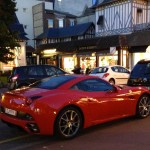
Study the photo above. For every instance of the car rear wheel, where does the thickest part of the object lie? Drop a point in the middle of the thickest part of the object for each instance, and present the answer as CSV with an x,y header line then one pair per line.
x,y
143,106
68,123
112,81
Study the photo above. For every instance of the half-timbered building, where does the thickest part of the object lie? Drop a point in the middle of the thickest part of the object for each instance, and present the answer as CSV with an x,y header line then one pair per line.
x,y
130,20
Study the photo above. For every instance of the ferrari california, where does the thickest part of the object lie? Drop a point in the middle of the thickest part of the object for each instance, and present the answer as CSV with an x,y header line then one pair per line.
x,y
63,105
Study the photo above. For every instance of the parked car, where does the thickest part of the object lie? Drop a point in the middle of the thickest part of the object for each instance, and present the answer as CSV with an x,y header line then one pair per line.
x,y
140,74
113,74
65,104
25,75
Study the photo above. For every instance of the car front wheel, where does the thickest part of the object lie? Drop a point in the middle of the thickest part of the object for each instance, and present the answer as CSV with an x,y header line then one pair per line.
x,y
143,106
68,123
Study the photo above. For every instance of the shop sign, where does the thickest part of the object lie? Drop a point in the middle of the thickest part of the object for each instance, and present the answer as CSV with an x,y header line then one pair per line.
x,y
88,48
112,50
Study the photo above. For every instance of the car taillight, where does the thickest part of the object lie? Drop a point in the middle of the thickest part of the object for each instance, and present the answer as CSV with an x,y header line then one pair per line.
x,y
105,75
15,77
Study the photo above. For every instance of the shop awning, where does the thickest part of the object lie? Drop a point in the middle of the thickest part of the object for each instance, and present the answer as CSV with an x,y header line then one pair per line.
x,y
140,38
138,41
137,49
108,41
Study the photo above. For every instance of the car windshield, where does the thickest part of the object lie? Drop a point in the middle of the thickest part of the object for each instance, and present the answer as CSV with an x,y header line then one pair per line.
x,y
141,69
100,70
52,82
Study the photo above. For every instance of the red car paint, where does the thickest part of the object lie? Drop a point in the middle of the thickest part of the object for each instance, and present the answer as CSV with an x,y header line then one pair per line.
x,y
97,107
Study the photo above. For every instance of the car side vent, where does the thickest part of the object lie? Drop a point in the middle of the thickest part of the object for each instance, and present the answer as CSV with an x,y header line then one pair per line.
x,y
35,97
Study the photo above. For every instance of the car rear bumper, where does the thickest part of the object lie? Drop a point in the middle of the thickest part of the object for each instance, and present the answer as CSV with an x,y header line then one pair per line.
x,y
32,127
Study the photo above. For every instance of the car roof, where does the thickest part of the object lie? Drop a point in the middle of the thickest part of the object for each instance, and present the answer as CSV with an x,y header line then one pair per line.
x,y
144,61
110,66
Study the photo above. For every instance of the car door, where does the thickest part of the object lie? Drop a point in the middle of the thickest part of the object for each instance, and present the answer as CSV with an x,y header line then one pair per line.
x,y
124,74
104,100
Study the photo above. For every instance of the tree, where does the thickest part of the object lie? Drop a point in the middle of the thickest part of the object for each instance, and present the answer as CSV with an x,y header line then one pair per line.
x,y
8,38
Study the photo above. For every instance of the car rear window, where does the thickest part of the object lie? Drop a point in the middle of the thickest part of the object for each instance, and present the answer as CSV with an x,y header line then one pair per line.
x,y
100,70
141,69
19,70
52,82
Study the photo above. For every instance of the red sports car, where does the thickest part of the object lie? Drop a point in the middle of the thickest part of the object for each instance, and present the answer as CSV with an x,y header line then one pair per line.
x,y
65,104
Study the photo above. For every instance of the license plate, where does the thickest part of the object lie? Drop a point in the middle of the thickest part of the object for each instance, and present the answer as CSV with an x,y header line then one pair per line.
x,y
10,112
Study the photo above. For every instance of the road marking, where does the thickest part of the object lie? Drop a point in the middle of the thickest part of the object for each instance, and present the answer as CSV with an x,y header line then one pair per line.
x,y
13,139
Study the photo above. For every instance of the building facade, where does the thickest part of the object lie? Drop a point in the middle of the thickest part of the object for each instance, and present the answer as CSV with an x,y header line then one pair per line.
x,y
121,32
130,20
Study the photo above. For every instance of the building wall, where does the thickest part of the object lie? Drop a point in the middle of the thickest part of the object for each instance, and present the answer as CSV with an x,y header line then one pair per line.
x,y
85,19
123,17
38,19
142,16
24,14
115,16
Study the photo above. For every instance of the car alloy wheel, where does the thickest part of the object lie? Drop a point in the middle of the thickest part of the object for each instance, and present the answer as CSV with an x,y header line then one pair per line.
x,y
68,123
143,106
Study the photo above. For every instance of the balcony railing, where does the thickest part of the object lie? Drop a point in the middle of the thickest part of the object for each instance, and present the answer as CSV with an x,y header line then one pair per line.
x,y
134,28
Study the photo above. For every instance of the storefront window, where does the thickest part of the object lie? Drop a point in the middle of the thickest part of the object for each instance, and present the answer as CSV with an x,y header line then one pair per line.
x,y
107,60
69,63
87,62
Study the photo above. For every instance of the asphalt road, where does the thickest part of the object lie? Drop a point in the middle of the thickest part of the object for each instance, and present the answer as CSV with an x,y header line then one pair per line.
x,y
125,134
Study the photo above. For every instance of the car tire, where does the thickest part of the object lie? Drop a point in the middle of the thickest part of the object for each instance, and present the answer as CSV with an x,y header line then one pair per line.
x,y
68,123
143,106
112,81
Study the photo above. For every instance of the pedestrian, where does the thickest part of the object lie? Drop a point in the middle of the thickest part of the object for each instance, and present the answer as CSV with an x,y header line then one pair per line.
x,y
77,70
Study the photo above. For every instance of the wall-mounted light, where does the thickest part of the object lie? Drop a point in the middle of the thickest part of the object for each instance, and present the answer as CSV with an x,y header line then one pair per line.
x,y
49,51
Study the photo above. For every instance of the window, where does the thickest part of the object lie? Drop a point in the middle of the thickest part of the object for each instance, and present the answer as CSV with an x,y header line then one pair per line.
x,y
100,22
25,26
50,23
24,10
60,23
147,70
123,70
32,71
72,22
115,69
139,15
92,85
53,82
50,71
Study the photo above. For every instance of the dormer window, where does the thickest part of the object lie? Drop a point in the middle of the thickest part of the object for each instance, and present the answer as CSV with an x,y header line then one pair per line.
x,y
100,22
